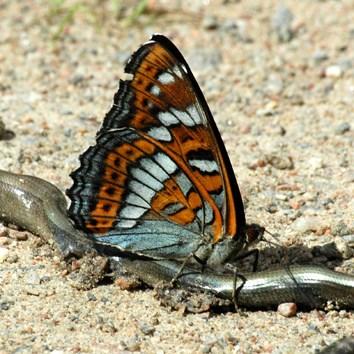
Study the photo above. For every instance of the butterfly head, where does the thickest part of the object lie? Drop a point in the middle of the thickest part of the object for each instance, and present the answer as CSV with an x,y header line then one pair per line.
x,y
253,233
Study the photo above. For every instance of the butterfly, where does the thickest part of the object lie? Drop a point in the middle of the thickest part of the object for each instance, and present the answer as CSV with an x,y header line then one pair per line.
x,y
158,182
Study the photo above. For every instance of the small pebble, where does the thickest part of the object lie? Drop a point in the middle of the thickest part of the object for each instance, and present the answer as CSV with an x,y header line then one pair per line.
x,y
315,163
280,162
348,176
242,32
282,23
238,28
5,305
307,223
147,329
45,279
279,130
287,309
77,79
326,252
19,236
230,25
320,56
346,64
275,85
12,258
210,22
3,254
127,282
344,345
333,71
4,231
4,241
267,110
209,341
271,208
133,344
33,278
349,239
296,99
341,229
342,128
312,327
281,197
91,297
343,248
344,314
108,327
327,202
205,349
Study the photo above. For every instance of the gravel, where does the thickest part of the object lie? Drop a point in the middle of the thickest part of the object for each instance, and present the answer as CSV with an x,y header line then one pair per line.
x,y
286,117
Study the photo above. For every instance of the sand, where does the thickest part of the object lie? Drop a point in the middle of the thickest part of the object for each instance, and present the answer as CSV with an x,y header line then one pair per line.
x,y
281,89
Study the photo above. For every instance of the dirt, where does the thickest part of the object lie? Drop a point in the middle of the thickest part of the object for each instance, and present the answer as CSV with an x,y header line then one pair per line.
x,y
279,81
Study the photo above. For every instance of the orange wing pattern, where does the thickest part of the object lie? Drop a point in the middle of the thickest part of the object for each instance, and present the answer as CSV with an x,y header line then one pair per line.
x,y
159,166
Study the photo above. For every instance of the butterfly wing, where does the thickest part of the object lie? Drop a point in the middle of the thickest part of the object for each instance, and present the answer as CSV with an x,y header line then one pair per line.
x,y
159,178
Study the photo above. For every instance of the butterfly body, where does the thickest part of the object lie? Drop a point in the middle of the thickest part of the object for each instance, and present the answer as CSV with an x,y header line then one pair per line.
x,y
159,182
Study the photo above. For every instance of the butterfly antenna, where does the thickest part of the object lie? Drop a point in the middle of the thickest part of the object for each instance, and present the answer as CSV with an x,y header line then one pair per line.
x,y
275,238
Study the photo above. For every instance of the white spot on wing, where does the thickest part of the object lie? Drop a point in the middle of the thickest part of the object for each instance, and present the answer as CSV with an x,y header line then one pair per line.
x,y
167,118
132,212
177,71
135,199
184,68
205,165
154,168
163,160
145,192
146,179
205,215
219,198
160,133
166,78
126,76
173,208
193,112
126,224
183,117
184,183
155,90
190,117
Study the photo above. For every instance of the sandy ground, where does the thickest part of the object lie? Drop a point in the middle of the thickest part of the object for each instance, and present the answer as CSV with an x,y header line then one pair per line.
x,y
282,94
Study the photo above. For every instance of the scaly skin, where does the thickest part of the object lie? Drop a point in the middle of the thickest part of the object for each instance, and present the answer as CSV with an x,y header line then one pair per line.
x,y
40,207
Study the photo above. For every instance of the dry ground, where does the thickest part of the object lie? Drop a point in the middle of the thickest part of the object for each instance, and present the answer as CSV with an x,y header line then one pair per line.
x,y
285,111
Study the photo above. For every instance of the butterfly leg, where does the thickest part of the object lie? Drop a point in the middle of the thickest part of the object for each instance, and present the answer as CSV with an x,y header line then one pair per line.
x,y
200,259
238,278
236,289
180,270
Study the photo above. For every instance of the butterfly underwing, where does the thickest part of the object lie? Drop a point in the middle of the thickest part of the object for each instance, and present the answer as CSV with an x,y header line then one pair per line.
x,y
158,182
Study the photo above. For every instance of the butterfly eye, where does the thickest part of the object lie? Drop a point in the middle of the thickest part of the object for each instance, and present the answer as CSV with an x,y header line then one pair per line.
x,y
254,233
